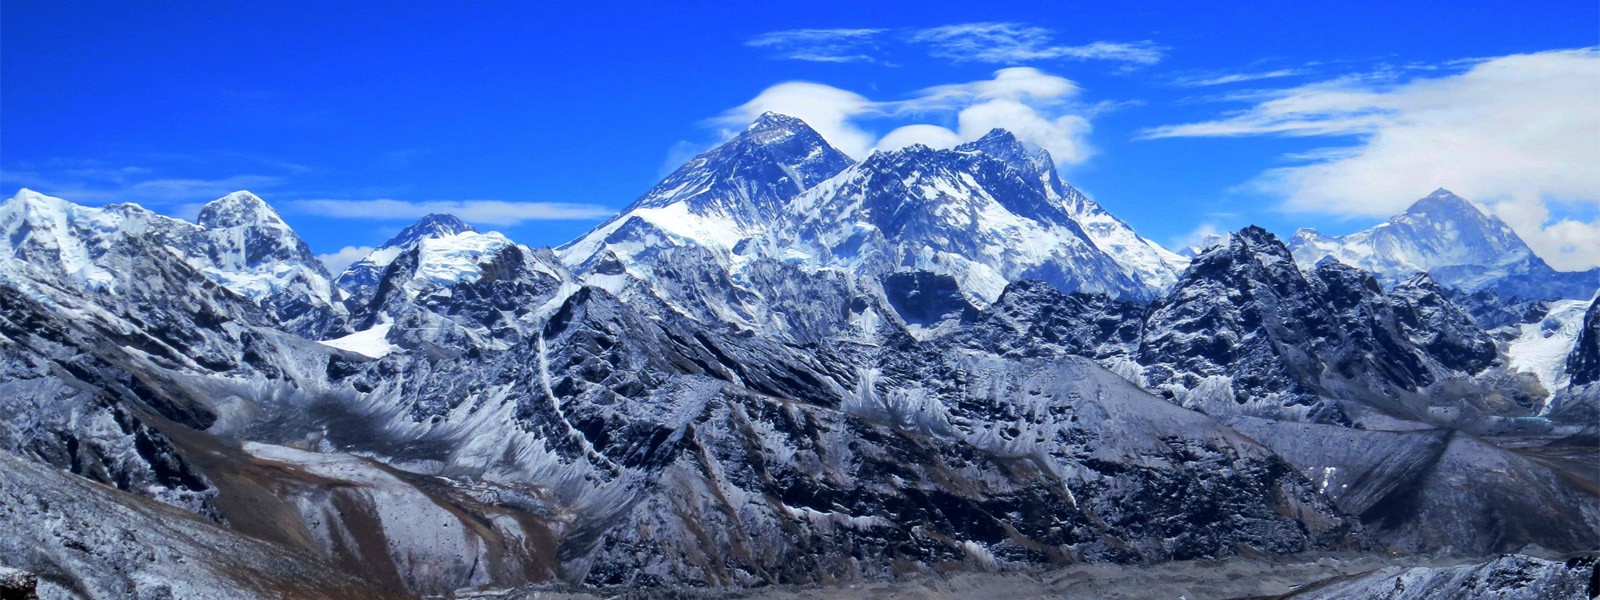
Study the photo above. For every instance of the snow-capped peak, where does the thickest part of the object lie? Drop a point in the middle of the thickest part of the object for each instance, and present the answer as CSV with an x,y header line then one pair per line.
x,y
1452,239
434,225
240,243
1004,145
43,230
1141,259
725,195
359,278
447,260
774,121
30,196
239,209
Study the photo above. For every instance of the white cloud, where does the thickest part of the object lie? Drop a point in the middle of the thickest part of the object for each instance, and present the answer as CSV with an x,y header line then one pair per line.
x,y
1038,107
338,261
1028,102
964,42
819,45
1015,42
1518,133
1227,78
493,212
131,184
827,109
932,136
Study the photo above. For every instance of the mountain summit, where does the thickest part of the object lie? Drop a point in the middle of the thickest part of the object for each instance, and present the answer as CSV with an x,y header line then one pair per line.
x,y
238,209
748,179
1457,244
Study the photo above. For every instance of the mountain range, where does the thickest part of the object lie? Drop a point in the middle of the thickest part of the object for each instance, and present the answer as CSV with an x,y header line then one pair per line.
x,y
782,366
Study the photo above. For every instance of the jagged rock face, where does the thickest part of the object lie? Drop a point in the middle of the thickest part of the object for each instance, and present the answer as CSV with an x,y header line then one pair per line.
x,y
1491,311
1376,343
240,243
480,281
1246,332
1240,333
1583,365
1035,320
1578,403
359,279
924,298
1454,242
88,540
1439,327
82,413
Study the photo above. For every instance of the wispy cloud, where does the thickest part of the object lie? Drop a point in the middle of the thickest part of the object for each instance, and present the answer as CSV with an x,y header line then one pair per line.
x,y
94,184
996,43
493,212
820,45
1518,134
1016,43
1038,107
1230,78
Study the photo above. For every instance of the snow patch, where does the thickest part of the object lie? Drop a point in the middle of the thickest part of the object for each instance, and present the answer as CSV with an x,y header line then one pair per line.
x,y
372,342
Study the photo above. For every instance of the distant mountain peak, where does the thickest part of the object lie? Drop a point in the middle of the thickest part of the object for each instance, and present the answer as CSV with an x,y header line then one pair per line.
x,y
433,225
25,195
238,209
998,135
1453,240
1008,148
1443,202
774,120
1443,193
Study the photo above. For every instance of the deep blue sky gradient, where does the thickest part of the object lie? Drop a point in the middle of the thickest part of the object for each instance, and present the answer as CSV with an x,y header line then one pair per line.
x,y
585,102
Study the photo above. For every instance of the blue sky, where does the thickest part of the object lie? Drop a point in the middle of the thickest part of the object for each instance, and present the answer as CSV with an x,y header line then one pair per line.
x,y
1180,118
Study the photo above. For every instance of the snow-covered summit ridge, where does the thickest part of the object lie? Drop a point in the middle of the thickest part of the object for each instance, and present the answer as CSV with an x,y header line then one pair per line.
x,y
1448,237
240,242
433,225
1140,258
986,213
749,178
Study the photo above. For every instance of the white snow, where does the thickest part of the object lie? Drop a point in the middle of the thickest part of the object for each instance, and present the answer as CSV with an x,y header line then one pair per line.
x,y
372,342
452,259
1542,347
